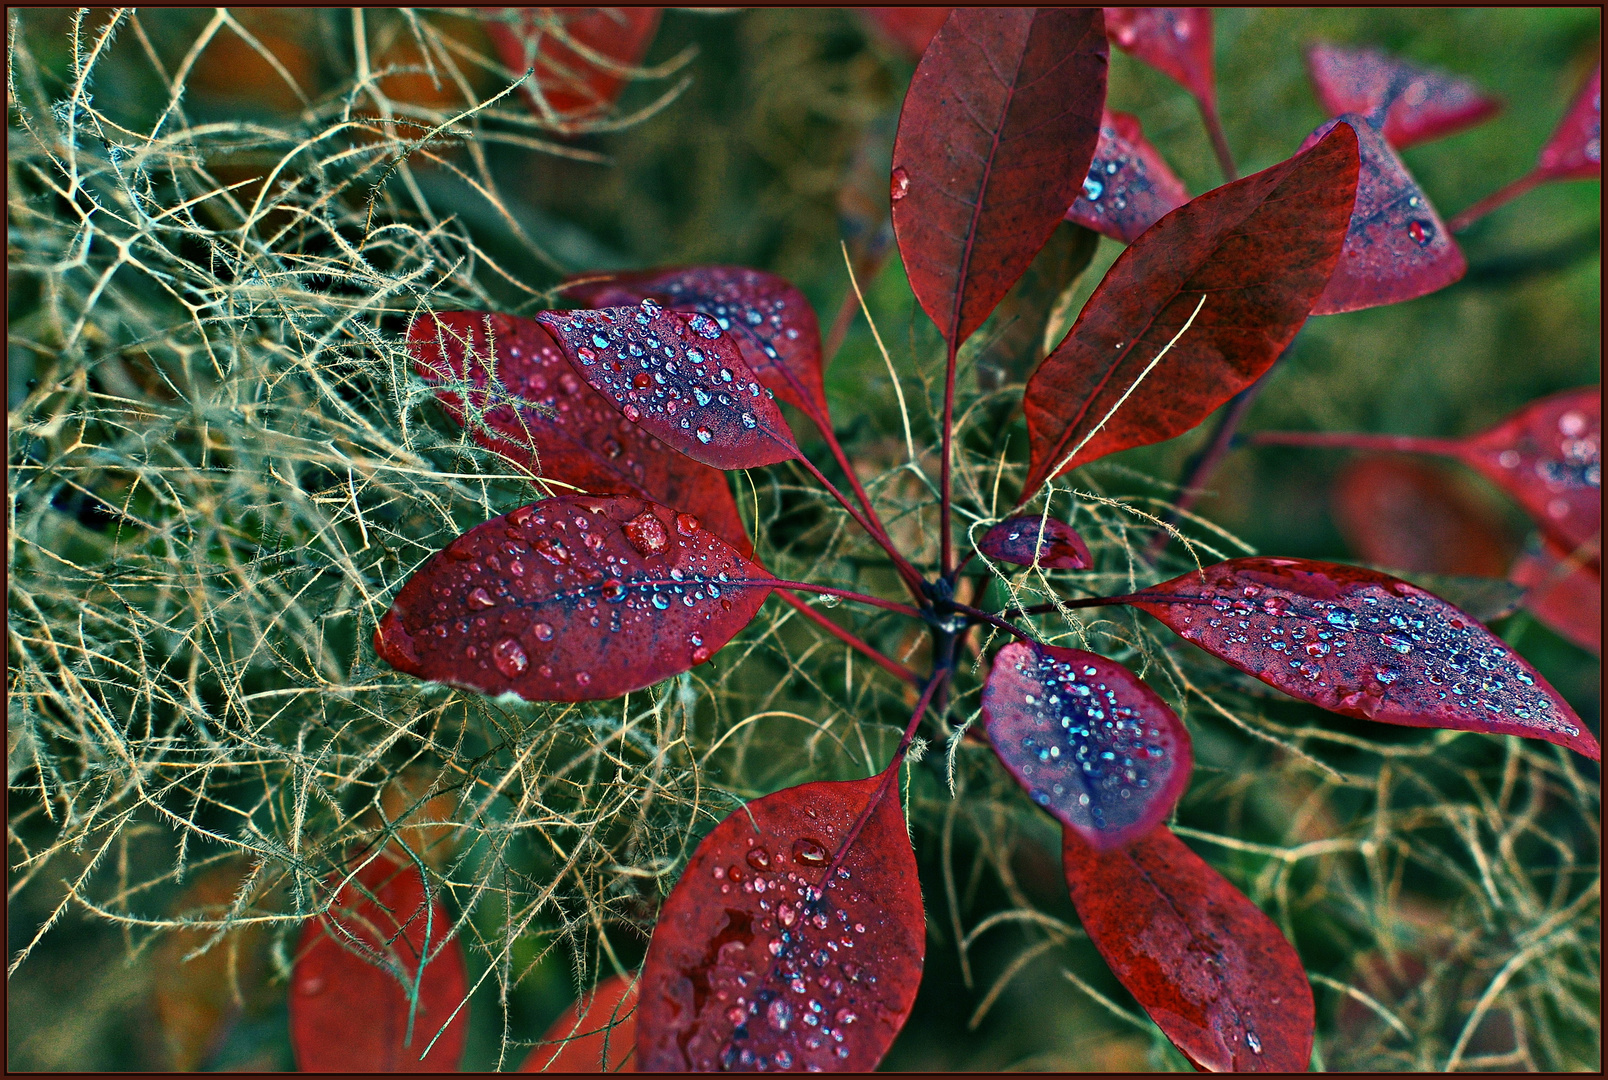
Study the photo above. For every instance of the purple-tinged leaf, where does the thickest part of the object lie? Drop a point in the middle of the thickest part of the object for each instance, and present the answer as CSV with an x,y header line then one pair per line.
x,y
1419,103
1129,187
1175,41
597,1034
504,366
681,377
760,961
1564,593
1240,265
1409,514
770,320
1575,150
1365,644
1397,247
995,138
571,599
1091,743
1057,545
1209,967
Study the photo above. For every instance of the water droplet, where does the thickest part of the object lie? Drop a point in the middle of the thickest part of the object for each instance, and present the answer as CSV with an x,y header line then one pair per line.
x,y
632,413
613,591
313,984
1421,233
900,185
811,852
703,434
510,658
700,654
646,533
552,550
1092,188
481,599
660,601
780,1014
583,678
1252,1041
759,858
543,631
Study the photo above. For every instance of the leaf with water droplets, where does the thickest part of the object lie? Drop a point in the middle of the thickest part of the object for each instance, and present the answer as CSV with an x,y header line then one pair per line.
x,y
1564,593
1129,187
1090,742
770,320
1407,514
1397,247
909,28
1419,103
596,1034
1574,152
575,84
495,370
994,141
776,950
1175,41
1257,251
577,598
1057,544
681,377
1209,967
356,967
1366,644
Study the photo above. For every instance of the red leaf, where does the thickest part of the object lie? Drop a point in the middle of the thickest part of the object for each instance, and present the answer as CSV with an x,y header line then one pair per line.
x,y
1175,41
348,1009
1209,967
995,138
1129,187
1564,594
1548,456
1397,512
1575,150
1259,250
602,1023
910,28
571,82
750,963
1362,643
1420,103
1058,545
770,320
1050,714
585,442
681,377
571,599
1397,247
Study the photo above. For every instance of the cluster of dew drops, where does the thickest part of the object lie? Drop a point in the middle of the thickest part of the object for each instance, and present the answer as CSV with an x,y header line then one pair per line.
x,y
1103,173
734,298
803,1010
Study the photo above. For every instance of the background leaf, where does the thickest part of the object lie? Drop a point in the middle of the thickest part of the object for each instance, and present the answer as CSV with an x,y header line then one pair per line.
x,y
571,81
596,1034
1419,103
1129,187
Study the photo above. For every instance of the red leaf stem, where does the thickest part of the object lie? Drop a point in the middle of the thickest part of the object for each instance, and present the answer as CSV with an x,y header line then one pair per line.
x,y
887,663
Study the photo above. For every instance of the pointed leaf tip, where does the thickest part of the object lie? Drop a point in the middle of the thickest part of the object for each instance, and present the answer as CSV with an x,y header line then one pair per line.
x,y
1175,41
1419,103
1574,152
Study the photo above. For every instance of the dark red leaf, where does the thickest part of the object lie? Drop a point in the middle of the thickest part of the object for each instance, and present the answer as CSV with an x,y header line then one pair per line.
x,y
1057,544
1129,187
760,960
1258,251
770,320
1397,247
995,138
596,1034
571,82
1564,594
1575,150
1362,643
1091,743
1021,321
1419,103
910,28
1175,41
349,1010
584,441
572,599
1548,456
679,376
1209,967
1408,515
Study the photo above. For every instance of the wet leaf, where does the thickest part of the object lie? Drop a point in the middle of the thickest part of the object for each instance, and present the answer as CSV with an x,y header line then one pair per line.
x,y
596,1034
909,28
1487,599
1258,250
758,956
1397,247
1410,515
770,320
1366,644
349,1011
995,138
1129,187
577,598
514,366
1175,41
572,82
1091,743
1574,152
1209,967
1419,103
1057,544
1023,316
681,377
1564,594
